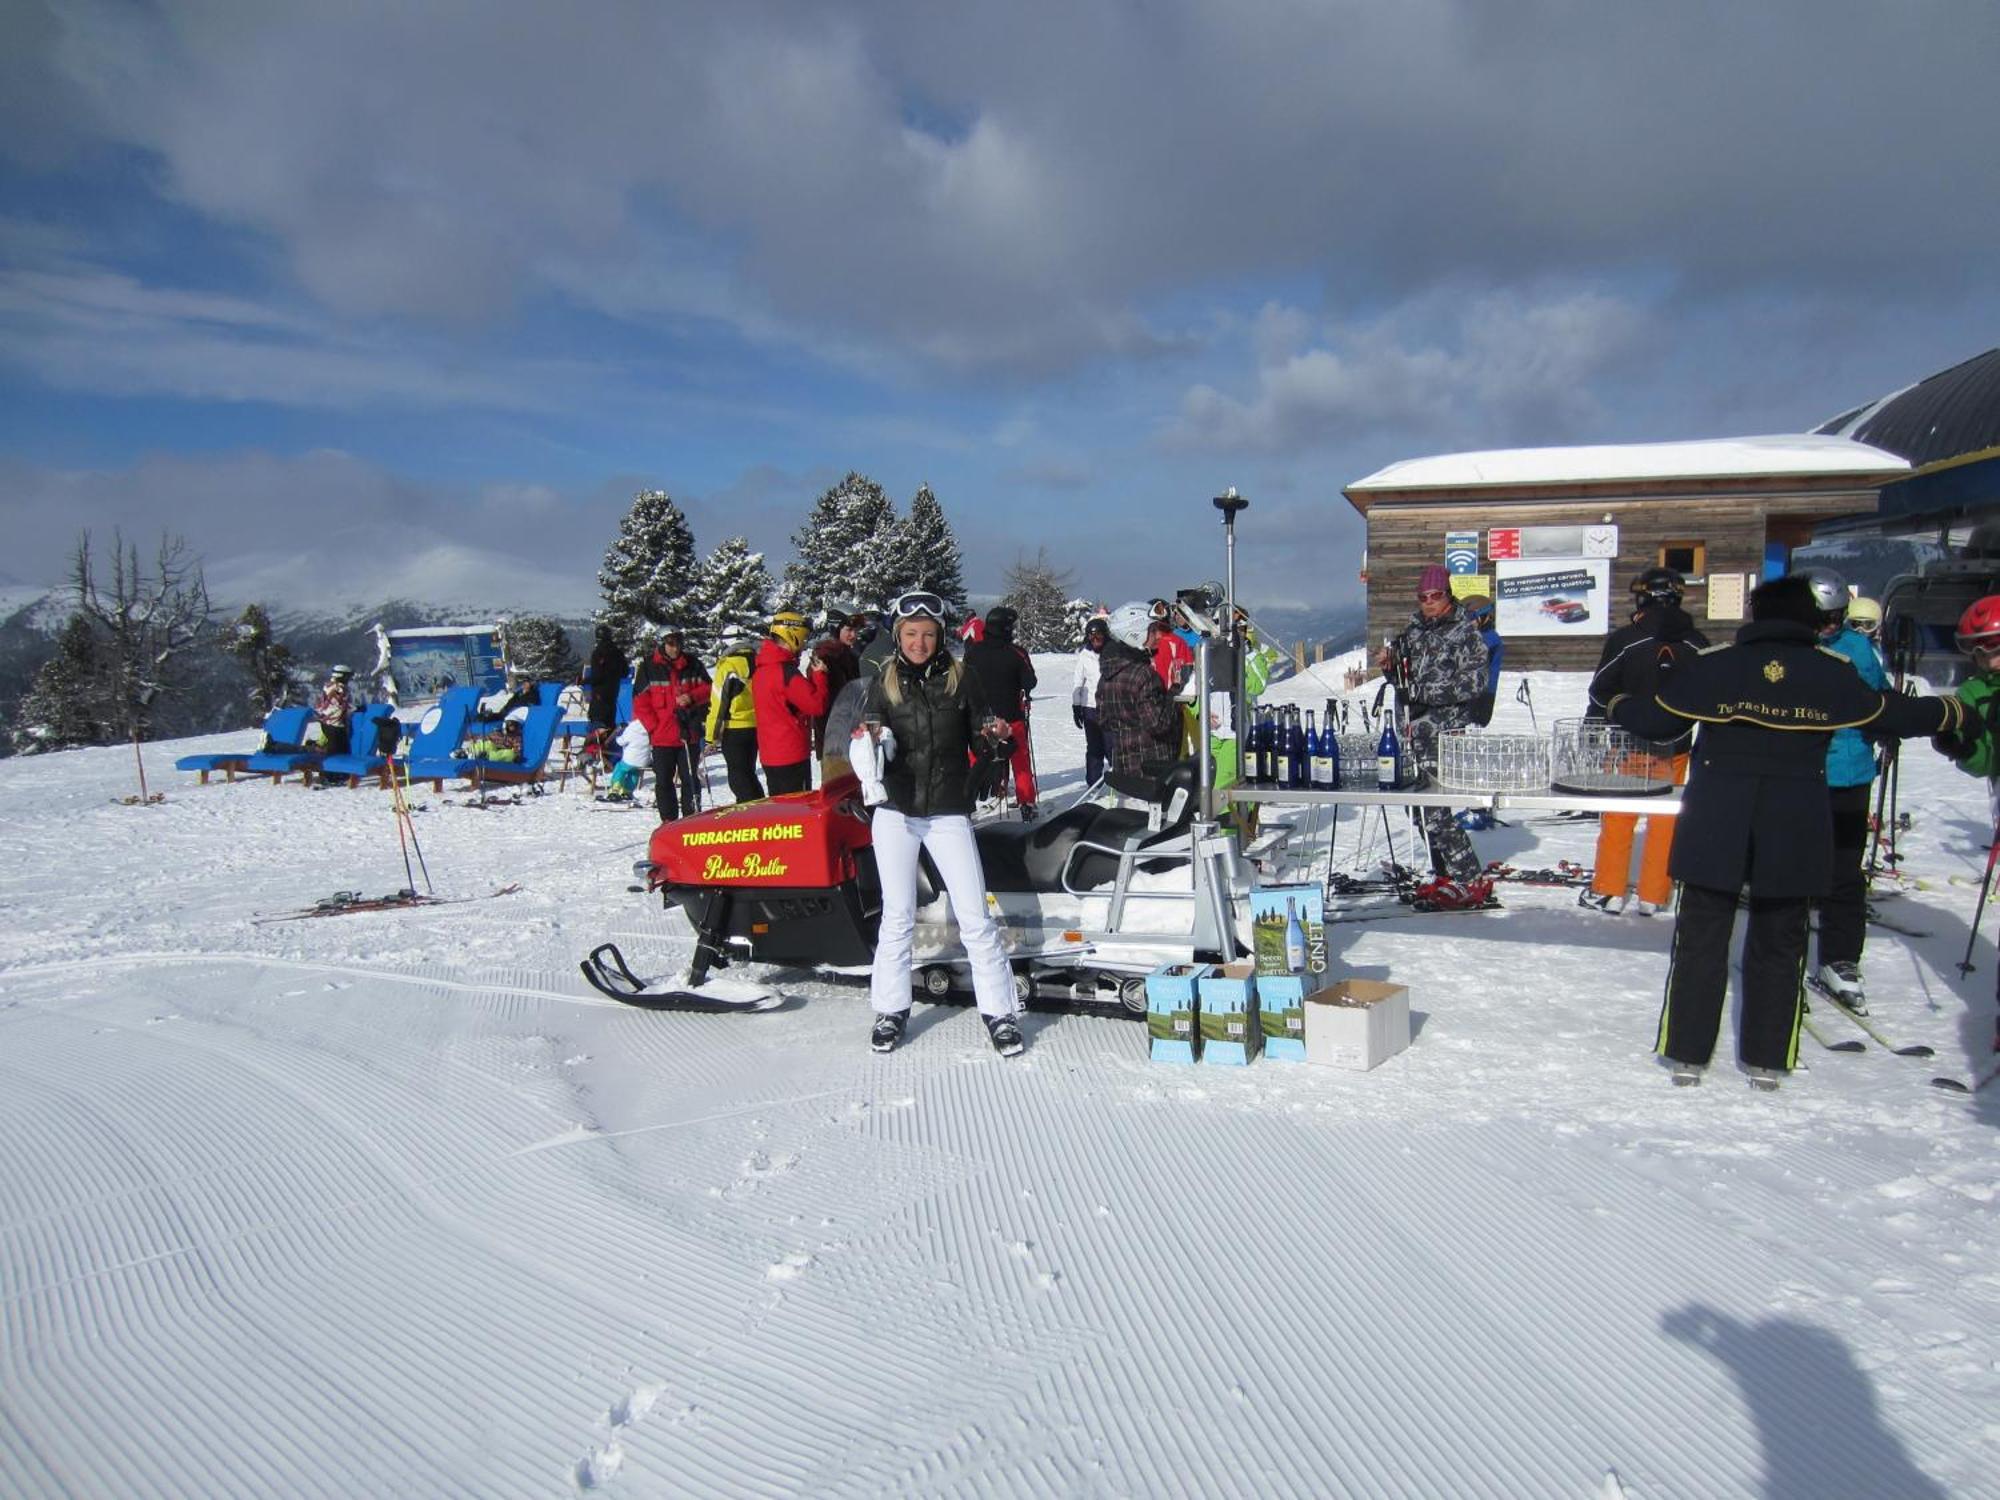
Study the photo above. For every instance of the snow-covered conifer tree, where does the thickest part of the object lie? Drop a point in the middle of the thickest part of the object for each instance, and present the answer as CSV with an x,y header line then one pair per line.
x,y
1039,593
65,706
847,549
539,649
732,596
267,659
1076,614
648,570
926,553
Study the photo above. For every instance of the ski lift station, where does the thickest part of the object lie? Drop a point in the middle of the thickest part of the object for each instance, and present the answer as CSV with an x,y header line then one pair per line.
x,y
1556,535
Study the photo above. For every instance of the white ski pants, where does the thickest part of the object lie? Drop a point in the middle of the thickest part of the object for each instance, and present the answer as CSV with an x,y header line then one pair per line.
x,y
949,840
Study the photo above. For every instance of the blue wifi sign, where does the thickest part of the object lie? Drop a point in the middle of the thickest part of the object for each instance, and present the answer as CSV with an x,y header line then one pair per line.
x,y
1461,552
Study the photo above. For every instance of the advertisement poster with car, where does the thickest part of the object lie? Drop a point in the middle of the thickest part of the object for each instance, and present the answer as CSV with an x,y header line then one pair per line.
x,y
1553,596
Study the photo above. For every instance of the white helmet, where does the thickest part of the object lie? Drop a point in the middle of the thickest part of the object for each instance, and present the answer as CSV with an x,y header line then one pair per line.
x,y
1829,591
1130,622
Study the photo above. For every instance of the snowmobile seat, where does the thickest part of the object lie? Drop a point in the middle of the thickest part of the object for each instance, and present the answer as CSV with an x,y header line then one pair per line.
x,y
1081,843
438,740
282,726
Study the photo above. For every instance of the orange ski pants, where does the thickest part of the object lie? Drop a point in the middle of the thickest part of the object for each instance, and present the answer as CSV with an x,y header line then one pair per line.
x,y
1615,834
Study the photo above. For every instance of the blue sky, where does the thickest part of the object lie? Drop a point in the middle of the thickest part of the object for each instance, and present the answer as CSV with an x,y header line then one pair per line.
x,y
378,299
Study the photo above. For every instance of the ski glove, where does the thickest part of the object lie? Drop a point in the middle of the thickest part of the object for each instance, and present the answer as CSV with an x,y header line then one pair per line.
x,y
1076,713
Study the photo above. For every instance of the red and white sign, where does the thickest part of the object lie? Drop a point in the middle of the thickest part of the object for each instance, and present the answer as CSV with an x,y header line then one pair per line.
x,y
1503,541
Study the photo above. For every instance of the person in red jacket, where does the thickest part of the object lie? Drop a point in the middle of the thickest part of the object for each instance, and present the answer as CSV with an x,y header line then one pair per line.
x,y
1171,657
840,654
669,692
787,701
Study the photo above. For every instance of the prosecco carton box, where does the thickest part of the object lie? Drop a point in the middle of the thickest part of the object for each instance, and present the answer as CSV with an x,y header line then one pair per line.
x,y
1288,931
1357,1023
1173,1010
1229,1023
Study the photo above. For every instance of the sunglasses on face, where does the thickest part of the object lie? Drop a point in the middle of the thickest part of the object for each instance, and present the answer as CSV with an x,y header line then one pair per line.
x,y
1428,595
918,602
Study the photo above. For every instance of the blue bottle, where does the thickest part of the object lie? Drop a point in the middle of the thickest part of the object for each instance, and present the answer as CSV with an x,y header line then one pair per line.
x,y
1388,759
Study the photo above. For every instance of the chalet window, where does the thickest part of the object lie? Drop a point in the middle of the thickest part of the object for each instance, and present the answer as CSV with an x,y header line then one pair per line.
x,y
1689,559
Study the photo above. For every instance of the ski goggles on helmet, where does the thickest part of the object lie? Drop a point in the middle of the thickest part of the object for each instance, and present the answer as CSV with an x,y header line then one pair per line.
x,y
918,604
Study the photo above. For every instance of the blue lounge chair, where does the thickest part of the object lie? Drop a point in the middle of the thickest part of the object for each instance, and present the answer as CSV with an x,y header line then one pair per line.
x,y
278,764
453,711
282,726
538,735
624,702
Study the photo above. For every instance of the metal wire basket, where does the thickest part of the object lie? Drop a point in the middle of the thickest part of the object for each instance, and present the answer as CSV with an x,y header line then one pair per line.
x,y
1357,763
1472,760
1599,759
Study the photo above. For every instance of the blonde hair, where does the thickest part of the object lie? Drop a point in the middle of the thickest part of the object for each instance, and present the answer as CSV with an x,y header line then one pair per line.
x,y
892,680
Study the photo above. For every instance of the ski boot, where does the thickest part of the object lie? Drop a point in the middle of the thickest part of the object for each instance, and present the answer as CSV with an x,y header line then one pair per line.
x,y
887,1034
1446,894
1766,1080
1611,906
1006,1034
1842,982
1685,1075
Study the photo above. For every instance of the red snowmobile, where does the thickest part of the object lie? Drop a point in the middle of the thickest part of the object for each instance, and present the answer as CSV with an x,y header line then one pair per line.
x,y
791,881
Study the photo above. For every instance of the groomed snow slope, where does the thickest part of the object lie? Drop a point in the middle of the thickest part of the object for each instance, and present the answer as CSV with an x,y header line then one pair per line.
x,y
392,1205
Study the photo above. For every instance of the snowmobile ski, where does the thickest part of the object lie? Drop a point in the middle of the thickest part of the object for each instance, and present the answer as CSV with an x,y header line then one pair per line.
x,y
607,972
346,903
1972,1085
1915,1049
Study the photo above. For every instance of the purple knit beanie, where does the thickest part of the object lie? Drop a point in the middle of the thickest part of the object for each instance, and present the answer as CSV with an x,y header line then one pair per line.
x,y
1433,577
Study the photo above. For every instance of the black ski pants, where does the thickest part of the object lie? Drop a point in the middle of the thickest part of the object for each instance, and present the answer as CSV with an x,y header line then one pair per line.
x,y
739,755
1774,963
1843,911
1093,747
336,739
674,764
796,777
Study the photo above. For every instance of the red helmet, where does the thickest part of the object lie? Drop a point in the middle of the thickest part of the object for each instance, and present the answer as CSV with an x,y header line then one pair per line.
x,y
1979,626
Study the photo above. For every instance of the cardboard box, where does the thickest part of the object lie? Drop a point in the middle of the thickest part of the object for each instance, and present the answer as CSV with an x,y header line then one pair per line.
x,y
1281,1013
1357,1023
1288,929
1173,1027
1229,1031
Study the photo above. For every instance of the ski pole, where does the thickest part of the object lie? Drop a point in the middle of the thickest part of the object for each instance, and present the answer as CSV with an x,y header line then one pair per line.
x,y
401,803
1881,806
1525,695
1985,886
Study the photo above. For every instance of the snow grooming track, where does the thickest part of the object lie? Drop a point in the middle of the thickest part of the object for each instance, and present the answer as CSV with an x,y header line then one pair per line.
x,y
398,1207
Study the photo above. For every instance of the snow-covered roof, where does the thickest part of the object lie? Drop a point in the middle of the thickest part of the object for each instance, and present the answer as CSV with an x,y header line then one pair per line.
x,y
1705,458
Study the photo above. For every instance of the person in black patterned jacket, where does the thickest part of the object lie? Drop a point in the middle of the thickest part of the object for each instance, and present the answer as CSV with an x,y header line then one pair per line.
x,y
1438,663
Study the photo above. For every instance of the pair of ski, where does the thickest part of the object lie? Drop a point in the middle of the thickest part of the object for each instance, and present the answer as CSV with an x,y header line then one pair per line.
x,y
1565,872
347,903
1917,1050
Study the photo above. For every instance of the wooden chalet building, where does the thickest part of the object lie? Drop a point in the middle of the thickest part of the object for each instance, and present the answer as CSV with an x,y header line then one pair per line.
x,y
1574,526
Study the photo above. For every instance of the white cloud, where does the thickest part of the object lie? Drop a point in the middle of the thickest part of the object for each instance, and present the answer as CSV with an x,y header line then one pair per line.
x,y
1506,364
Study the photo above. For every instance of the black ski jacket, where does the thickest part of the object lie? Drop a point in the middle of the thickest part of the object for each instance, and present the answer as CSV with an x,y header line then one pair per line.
x,y
1638,656
1005,676
1756,810
937,735
608,667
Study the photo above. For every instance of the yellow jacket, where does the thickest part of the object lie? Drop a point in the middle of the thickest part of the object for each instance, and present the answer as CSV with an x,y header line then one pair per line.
x,y
731,680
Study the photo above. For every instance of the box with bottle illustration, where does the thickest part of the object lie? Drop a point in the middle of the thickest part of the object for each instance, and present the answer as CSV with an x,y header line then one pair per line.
x,y
1229,1029
1173,1011
1288,931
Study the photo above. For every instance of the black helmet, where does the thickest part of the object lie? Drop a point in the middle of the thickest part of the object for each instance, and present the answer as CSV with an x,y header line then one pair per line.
x,y
1659,586
1002,618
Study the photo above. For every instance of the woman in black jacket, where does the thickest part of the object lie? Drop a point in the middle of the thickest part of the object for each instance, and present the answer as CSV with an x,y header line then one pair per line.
x,y
924,715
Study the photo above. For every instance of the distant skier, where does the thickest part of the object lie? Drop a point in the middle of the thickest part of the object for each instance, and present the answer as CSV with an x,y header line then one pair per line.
x,y
1083,696
1439,665
1634,659
1005,679
837,654
1141,723
334,709
789,686
1975,745
608,667
670,688
732,717
1850,778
